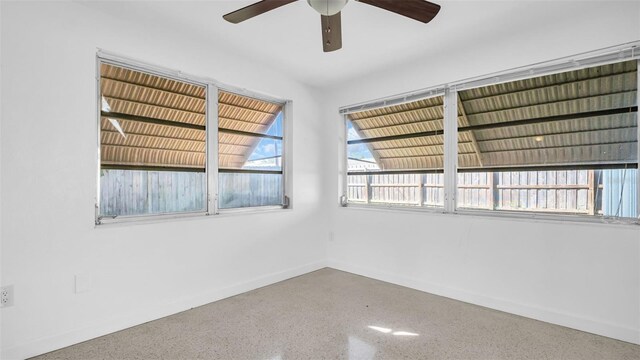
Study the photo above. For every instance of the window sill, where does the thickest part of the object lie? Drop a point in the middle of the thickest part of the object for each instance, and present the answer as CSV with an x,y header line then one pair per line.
x,y
547,217
165,218
383,207
526,216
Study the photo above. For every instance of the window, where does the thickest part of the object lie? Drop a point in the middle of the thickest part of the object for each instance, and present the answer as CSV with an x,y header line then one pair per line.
x,y
158,152
395,154
250,156
152,144
563,143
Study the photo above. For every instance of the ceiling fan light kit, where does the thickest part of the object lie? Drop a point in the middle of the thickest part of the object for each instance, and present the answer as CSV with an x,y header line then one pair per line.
x,y
329,10
327,7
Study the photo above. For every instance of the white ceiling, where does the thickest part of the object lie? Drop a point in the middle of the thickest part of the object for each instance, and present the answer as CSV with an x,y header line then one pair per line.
x,y
289,38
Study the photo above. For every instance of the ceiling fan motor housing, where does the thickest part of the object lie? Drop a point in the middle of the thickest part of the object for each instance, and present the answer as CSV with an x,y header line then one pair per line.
x,y
327,7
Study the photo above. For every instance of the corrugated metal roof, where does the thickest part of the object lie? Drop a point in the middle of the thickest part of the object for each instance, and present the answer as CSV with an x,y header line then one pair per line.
x,y
412,153
163,144
236,112
610,138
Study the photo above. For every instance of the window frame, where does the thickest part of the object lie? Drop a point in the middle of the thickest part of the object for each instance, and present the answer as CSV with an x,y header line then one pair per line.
x,y
610,55
212,88
286,134
422,95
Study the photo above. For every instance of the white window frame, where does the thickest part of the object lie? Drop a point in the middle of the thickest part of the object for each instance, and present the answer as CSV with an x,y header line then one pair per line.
x,y
344,169
610,55
211,120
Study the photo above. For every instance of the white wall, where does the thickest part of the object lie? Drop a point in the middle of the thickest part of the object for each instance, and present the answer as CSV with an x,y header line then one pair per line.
x,y
582,276
143,271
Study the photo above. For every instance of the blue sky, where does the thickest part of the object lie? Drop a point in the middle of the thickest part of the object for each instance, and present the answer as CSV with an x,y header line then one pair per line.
x,y
357,151
269,147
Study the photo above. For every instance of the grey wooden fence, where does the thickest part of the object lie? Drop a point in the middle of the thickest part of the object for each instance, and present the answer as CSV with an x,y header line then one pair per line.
x,y
568,191
132,192
244,190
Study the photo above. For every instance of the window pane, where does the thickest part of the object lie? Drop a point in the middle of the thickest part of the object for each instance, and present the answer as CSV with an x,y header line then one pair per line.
x,y
134,192
262,154
395,154
267,155
250,152
247,190
152,144
562,143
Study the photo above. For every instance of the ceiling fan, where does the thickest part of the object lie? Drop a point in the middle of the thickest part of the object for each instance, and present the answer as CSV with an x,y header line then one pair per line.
x,y
329,10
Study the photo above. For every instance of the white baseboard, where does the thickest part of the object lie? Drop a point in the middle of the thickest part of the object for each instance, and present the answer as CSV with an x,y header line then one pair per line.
x,y
531,311
140,316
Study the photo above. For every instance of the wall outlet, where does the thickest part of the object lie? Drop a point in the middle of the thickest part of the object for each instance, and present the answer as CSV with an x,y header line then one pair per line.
x,y
331,236
6,296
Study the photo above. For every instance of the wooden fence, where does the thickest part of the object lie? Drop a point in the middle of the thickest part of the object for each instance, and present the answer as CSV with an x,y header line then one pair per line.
x,y
567,191
131,192
245,190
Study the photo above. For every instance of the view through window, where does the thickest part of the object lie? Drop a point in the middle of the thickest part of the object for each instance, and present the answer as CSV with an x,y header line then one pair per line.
x,y
250,152
562,143
565,143
153,147
152,144
395,154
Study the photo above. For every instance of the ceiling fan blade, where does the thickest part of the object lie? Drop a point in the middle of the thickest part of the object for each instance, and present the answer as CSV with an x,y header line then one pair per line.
x,y
420,10
256,9
331,32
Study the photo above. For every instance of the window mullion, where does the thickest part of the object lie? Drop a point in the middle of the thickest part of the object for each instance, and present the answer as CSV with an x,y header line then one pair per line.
x,y
638,141
450,148
212,149
98,141
287,149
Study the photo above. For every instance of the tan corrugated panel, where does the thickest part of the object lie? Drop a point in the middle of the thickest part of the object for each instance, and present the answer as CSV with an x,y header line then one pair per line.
x,y
414,117
152,142
137,77
140,128
401,119
468,160
596,124
120,155
416,127
242,113
556,79
619,136
408,163
135,93
588,154
595,139
416,141
554,93
602,102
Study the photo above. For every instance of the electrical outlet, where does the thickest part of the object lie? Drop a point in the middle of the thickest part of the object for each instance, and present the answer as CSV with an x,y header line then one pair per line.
x,y
6,296
331,236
